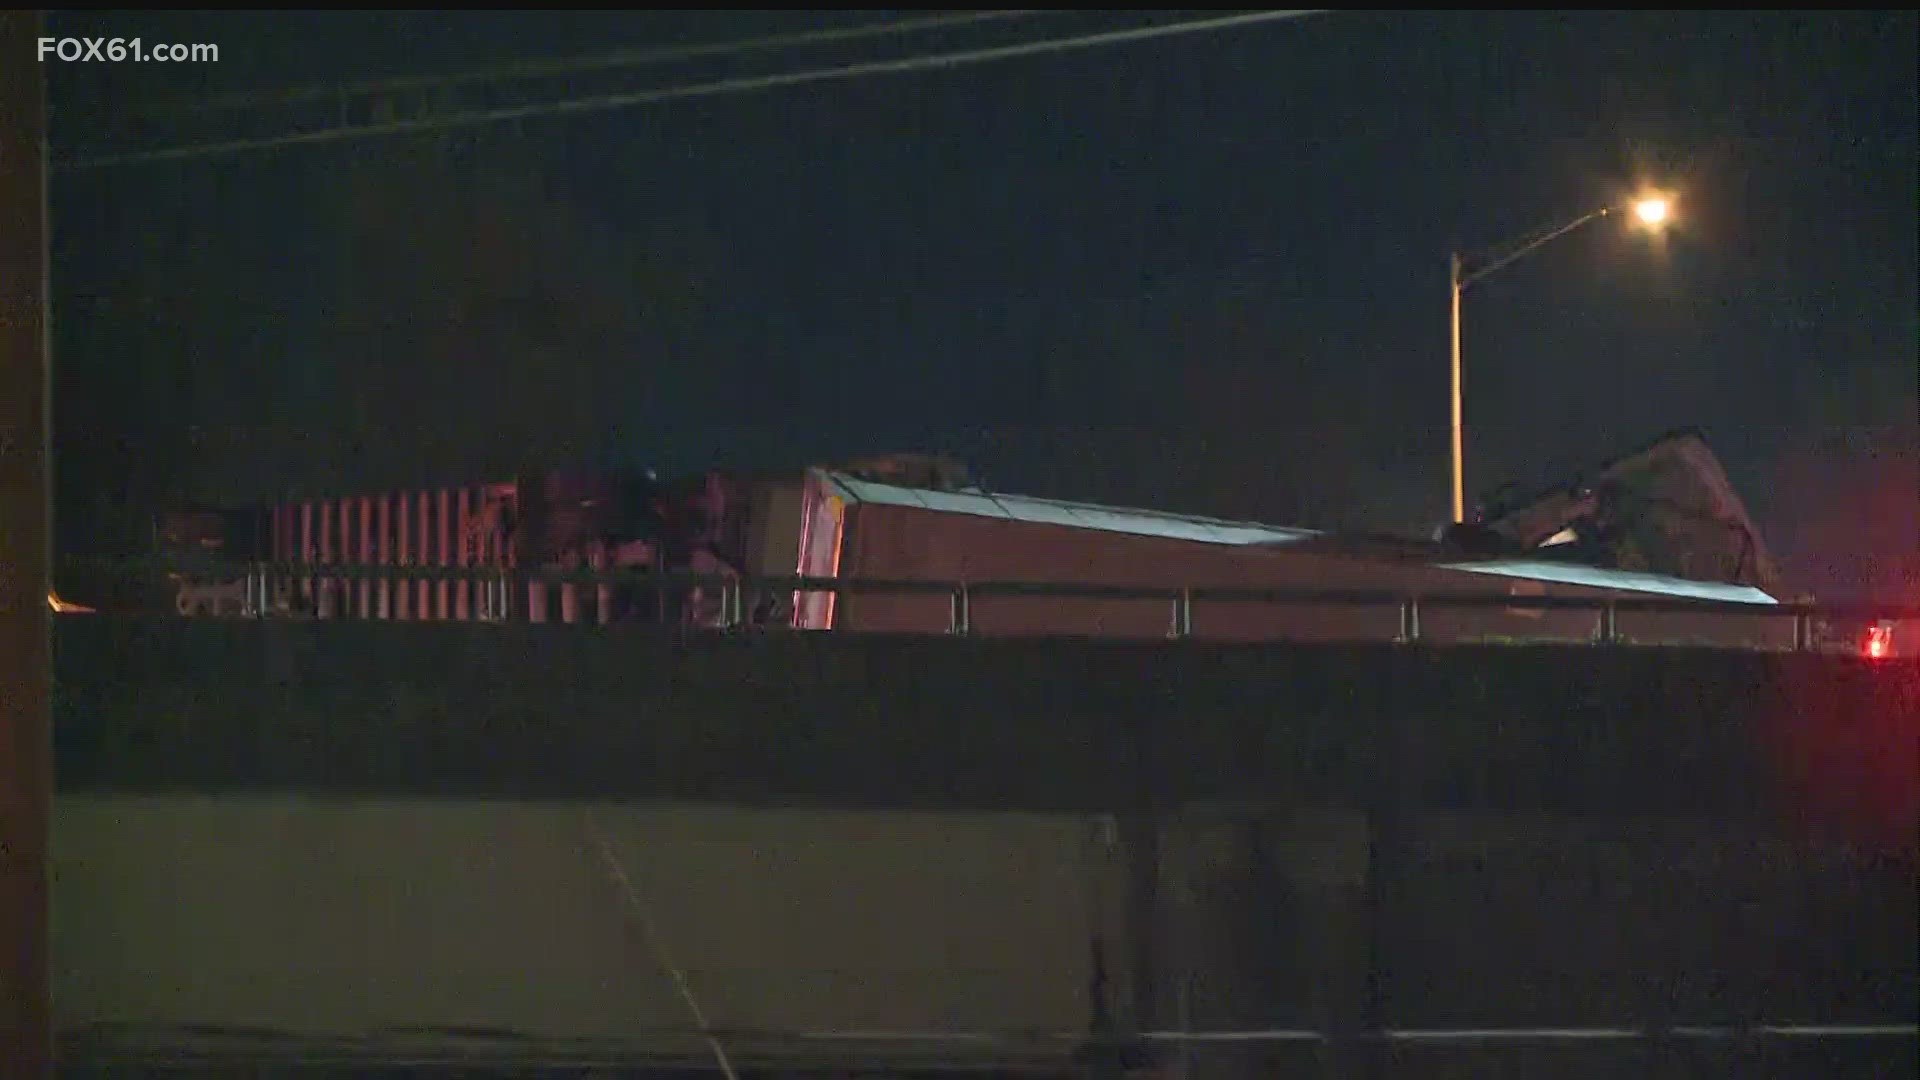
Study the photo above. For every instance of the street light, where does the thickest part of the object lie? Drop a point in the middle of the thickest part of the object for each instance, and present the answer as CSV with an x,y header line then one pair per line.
x,y
1652,212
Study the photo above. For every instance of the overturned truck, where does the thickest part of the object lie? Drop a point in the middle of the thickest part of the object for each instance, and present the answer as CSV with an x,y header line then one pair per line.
x,y
1659,526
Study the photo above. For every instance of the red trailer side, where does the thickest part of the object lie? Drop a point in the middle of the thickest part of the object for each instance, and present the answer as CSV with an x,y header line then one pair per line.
x,y
885,540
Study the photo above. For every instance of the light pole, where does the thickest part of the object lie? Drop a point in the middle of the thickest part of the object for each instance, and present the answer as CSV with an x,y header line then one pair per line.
x,y
1650,212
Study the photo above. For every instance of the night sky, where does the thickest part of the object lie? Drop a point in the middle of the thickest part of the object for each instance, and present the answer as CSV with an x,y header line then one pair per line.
x,y
1204,273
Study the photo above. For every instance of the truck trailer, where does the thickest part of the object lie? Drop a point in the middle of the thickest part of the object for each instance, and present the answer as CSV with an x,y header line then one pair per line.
x,y
858,528
916,519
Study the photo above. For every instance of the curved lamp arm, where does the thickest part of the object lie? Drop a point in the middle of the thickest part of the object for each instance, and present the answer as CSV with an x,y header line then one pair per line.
x,y
1525,247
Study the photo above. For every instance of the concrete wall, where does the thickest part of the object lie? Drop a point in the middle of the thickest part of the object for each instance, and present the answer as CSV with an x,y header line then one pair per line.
x,y
1538,920
305,918
885,722
397,925
326,830
1528,921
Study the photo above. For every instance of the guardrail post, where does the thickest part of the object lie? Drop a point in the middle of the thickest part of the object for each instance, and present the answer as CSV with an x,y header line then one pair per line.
x,y
1182,615
1609,631
730,591
960,622
1409,620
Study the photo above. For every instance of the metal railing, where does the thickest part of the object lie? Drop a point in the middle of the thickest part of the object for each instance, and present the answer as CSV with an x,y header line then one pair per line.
x,y
957,1053
499,595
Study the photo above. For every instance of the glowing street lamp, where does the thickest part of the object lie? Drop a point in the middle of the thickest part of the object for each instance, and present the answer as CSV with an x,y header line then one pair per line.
x,y
1651,212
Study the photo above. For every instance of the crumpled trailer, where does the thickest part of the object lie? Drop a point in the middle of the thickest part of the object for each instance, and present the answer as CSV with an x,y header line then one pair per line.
x,y
915,519
559,520
860,528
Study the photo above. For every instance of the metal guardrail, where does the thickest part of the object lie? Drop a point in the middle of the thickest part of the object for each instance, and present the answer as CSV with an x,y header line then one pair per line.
x,y
496,589
862,1051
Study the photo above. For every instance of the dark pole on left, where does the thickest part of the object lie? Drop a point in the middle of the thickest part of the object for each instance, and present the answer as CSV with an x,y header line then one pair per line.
x,y
26,755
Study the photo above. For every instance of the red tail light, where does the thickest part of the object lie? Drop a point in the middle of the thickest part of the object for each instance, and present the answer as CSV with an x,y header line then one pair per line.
x,y
1879,643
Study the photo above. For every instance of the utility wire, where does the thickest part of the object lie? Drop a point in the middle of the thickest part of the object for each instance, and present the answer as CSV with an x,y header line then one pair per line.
x,y
538,69
674,93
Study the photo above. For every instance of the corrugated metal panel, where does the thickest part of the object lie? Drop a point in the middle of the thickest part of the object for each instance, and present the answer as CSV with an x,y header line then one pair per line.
x,y
1074,515
1624,580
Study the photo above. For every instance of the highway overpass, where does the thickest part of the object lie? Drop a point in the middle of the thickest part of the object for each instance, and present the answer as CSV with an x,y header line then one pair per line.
x,y
493,845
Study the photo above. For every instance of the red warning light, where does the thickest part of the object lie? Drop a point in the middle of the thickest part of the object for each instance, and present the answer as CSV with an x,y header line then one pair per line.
x,y
1879,643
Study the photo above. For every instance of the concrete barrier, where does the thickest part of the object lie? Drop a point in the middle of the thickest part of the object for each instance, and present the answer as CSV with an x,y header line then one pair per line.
x,y
559,712
565,925
375,841
251,929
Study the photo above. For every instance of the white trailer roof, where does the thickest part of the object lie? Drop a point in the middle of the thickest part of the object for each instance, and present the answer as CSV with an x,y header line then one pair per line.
x,y
1596,577
979,503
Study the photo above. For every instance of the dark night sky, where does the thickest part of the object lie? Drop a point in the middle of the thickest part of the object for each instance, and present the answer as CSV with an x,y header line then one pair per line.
x,y
1204,273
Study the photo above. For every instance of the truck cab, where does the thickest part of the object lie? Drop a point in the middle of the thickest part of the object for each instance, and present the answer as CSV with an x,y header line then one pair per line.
x,y
215,584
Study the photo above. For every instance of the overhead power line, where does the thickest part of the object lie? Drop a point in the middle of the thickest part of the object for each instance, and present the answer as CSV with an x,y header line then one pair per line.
x,y
630,99
541,69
